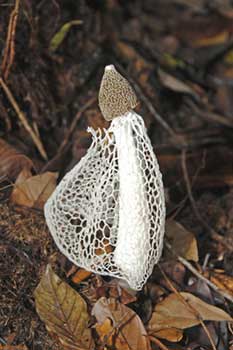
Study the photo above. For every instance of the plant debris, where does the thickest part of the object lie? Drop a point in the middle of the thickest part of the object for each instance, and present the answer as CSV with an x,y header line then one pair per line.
x,y
64,311
177,54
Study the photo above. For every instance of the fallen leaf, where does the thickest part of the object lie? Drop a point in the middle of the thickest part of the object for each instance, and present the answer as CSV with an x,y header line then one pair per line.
x,y
13,347
170,334
105,331
130,53
63,311
172,62
61,34
222,281
72,270
204,30
119,326
80,275
173,312
12,161
218,39
175,84
174,270
33,191
183,242
123,295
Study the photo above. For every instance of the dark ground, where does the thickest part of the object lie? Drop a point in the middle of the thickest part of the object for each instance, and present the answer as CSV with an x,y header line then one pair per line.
x,y
178,55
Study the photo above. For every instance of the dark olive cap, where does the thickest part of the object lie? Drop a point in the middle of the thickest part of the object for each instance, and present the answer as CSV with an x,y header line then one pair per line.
x,y
116,96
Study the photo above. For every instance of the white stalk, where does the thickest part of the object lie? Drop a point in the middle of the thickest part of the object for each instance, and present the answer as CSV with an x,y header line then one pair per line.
x,y
132,247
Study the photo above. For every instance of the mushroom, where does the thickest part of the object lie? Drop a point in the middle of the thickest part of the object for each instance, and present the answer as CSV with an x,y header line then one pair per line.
x,y
108,213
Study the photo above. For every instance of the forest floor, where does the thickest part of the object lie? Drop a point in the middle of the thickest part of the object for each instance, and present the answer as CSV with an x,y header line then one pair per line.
x,y
178,56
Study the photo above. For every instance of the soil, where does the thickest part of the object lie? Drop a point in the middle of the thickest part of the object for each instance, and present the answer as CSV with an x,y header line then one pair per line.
x,y
178,57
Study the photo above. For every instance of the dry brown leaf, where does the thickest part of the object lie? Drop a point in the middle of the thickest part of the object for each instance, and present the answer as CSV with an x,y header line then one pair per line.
x,y
119,326
12,161
170,334
222,281
175,84
106,332
173,312
183,242
64,312
218,39
123,295
204,31
33,191
13,347
80,275
130,53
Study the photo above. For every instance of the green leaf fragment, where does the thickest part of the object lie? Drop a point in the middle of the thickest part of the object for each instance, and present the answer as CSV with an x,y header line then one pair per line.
x,y
58,38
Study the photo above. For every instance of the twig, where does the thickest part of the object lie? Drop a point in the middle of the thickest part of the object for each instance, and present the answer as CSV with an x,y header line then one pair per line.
x,y
212,232
119,325
180,206
74,122
23,120
210,116
149,105
9,52
152,110
199,275
193,143
6,187
69,133
158,342
192,309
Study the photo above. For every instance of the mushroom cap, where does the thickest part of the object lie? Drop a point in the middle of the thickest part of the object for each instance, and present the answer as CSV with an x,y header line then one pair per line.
x,y
116,96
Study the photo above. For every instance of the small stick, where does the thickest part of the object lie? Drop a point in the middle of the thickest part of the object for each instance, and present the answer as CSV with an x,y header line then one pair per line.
x,y
77,117
192,309
199,275
149,105
210,116
212,232
23,120
180,206
152,110
9,53
69,133
158,342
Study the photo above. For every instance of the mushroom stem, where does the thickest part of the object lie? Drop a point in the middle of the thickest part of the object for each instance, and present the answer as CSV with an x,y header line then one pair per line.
x,y
132,247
